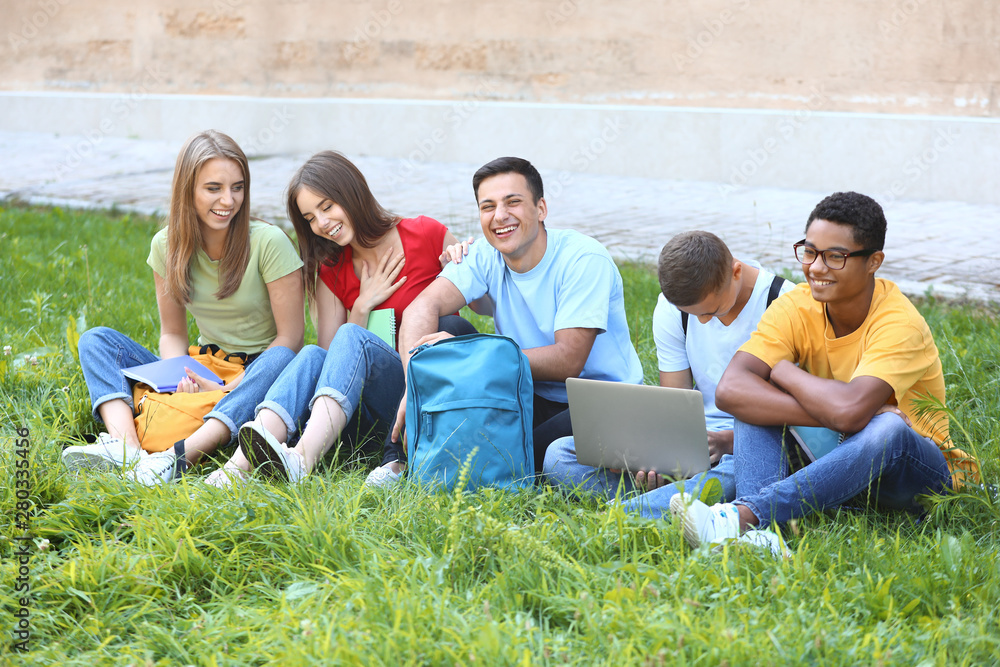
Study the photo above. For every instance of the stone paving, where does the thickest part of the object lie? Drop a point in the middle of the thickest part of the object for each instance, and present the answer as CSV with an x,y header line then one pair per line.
x,y
950,248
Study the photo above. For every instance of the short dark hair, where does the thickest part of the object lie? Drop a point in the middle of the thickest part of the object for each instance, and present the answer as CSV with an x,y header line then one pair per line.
x,y
860,212
510,165
692,266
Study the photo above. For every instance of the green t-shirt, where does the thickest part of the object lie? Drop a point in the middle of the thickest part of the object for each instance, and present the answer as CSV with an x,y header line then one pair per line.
x,y
243,321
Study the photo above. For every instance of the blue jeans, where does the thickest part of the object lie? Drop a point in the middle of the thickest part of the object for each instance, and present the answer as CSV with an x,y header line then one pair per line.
x,y
360,372
887,463
104,353
562,469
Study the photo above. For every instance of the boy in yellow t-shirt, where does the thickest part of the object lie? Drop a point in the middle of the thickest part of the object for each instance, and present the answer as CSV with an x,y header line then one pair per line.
x,y
846,351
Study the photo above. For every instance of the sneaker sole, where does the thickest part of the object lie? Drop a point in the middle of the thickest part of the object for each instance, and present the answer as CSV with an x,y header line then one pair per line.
x,y
261,454
382,481
679,507
231,480
75,461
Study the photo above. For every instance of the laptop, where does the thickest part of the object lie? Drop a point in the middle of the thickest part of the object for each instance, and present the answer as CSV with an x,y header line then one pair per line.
x,y
638,427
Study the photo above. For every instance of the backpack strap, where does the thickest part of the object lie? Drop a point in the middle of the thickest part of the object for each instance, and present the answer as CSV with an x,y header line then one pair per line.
x,y
772,294
775,290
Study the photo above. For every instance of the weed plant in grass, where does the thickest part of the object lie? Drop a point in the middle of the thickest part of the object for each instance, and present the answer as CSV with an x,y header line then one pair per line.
x,y
330,573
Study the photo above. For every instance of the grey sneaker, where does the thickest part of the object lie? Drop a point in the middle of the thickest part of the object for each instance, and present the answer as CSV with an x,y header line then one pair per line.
x,y
160,467
383,475
272,458
106,454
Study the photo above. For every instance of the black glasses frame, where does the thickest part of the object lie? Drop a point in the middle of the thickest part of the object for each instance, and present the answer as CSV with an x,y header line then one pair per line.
x,y
822,253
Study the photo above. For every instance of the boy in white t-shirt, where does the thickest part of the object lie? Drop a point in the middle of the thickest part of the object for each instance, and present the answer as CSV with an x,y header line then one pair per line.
x,y
710,305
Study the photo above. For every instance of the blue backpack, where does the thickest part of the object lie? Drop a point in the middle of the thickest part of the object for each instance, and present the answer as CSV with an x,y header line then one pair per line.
x,y
465,393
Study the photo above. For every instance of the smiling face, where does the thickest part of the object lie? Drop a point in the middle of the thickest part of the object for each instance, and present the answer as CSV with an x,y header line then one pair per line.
x,y
511,220
849,285
326,219
218,193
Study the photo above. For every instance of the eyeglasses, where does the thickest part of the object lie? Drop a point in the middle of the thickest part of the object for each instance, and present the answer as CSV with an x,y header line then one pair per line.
x,y
834,259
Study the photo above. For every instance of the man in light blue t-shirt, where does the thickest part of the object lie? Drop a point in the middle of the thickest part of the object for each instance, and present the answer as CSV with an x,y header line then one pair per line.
x,y
710,305
557,293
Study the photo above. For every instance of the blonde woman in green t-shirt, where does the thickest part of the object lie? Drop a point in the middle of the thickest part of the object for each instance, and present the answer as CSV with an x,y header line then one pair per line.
x,y
242,283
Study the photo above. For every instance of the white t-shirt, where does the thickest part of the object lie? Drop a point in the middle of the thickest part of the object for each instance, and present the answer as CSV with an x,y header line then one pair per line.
x,y
575,285
708,348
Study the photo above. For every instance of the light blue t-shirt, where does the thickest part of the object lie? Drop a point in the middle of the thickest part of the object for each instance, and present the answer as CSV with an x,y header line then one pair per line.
x,y
575,285
708,348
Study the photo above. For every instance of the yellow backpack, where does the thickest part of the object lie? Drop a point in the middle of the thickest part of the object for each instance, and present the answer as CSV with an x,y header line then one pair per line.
x,y
163,419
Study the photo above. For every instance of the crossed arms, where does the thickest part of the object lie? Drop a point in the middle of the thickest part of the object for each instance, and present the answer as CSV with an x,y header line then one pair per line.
x,y
755,393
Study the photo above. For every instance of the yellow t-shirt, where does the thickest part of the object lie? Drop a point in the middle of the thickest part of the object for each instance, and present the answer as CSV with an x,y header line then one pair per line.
x,y
243,321
893,344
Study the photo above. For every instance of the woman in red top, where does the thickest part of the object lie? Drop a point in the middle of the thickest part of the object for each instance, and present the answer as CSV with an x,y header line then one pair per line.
x,y
358,258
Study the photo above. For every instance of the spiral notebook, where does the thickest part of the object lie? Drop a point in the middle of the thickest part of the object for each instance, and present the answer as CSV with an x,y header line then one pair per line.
x,y
382,323
163,375
816,441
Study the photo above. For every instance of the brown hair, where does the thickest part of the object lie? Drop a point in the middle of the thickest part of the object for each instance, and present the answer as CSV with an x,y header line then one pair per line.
x,y
692,266
332,176
183,229
510,165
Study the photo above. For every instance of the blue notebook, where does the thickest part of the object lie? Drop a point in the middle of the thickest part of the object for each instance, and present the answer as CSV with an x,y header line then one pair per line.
x,y
163,375
816,441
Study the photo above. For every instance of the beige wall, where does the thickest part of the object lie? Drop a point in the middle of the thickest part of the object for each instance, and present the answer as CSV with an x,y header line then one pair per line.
x,y
909,56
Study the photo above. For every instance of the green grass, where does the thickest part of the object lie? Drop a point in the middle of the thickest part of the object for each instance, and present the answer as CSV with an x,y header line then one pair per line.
x,y
328,573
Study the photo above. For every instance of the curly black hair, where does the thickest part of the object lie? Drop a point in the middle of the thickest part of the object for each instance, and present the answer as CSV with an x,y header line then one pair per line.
x,y
858,211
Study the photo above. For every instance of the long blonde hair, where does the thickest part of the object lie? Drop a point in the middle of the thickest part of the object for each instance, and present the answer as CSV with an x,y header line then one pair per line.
x,y
184,231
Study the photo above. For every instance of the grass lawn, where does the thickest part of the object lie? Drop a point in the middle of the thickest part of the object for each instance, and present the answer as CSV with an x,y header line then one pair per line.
x,y
329,573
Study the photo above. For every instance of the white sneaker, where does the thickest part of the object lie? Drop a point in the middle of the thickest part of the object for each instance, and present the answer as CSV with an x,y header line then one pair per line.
x,y
704,524
106,454
766,539
159,467
272,458
721,523
383,475
223,478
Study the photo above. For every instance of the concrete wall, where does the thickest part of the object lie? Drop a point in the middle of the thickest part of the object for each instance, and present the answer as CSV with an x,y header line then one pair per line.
x,y
939,57
896,99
